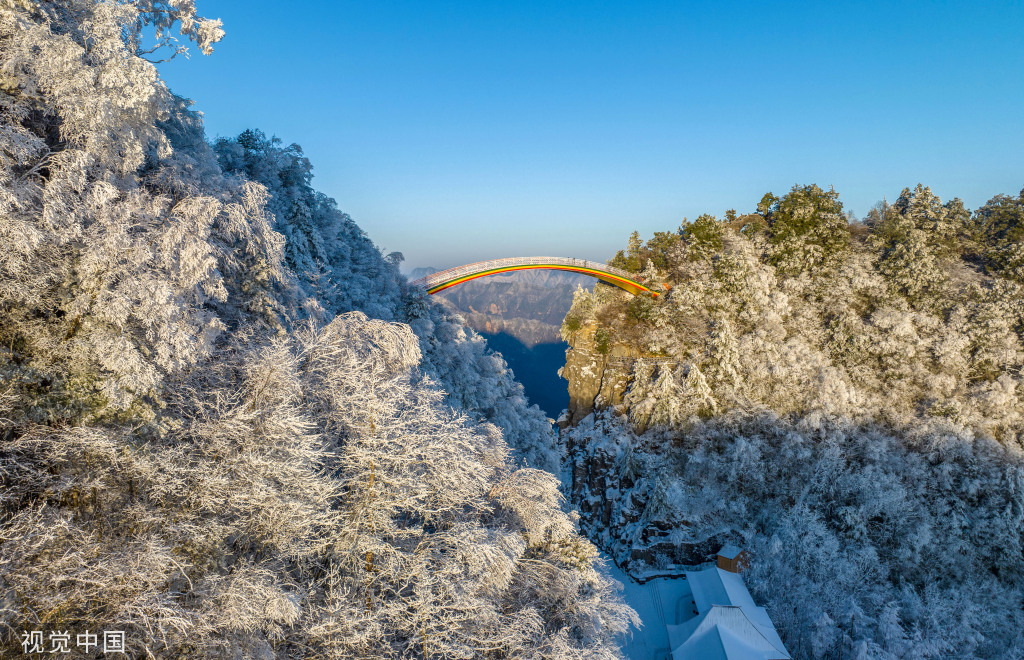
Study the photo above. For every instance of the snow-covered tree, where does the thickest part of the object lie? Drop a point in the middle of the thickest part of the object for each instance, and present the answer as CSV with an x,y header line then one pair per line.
x,y
860,428
999,230
112,279
202,443
806,228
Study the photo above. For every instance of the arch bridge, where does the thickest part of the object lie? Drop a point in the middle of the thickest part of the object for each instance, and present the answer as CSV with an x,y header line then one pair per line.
x,y
446,279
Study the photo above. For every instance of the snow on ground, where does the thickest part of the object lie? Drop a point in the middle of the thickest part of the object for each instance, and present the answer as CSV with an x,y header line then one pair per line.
x,y
659,602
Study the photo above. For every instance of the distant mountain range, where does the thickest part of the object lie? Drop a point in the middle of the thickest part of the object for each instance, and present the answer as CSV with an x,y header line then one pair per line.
x,y
520,314
528,305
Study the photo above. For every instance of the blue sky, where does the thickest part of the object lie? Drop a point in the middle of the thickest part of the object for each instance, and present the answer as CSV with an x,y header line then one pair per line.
x,y
456,132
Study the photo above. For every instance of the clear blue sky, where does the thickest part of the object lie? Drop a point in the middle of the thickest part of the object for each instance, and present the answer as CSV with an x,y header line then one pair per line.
x,y
456,132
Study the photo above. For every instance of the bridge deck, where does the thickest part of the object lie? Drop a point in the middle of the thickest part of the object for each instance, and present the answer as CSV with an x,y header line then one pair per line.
x,y
444,279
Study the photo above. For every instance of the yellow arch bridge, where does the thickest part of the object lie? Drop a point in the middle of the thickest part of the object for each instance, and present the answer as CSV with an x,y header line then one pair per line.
x,y
446,279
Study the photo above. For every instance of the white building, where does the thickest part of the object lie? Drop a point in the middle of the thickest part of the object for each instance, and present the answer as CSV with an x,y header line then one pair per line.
x,y
725,623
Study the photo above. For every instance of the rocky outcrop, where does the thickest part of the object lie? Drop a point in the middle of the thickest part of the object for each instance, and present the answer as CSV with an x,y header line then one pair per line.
x,y
598,370
616,487
612,482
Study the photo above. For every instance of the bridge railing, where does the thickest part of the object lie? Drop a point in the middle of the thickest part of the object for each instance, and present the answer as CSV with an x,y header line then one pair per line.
x,y
454,273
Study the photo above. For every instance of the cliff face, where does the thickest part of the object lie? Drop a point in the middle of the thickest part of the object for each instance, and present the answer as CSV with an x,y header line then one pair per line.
x,y
598,371
601,475
617,486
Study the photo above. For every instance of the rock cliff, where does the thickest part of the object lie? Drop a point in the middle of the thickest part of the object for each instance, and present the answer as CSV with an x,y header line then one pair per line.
x,y
601,474
597,369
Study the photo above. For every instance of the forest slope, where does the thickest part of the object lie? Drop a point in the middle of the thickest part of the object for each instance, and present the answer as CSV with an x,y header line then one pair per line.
x,y
207,441
843,399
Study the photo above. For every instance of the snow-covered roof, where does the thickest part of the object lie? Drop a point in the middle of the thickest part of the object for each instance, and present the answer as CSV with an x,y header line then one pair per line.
x,y
722,633
730,551
713,586
723,602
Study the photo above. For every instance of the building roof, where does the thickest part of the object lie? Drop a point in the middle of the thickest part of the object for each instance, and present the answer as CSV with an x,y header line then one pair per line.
x,y
730,551
723,601
713,586
722,633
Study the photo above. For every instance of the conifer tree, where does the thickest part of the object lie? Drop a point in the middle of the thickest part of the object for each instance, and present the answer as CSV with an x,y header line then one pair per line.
x,y
806,228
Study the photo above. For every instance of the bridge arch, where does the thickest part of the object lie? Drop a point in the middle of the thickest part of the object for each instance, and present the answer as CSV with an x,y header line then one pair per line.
x,y
446,279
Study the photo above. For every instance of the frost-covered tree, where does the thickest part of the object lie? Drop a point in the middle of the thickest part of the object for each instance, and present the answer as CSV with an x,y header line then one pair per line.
x,y
337,265
806,227
917,235
669,398
703,237
201,443
999,227
305,495
112,279
857,422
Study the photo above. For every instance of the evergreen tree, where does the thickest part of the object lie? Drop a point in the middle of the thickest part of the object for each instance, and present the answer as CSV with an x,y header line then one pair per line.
x,y
1000,228
806,228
